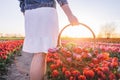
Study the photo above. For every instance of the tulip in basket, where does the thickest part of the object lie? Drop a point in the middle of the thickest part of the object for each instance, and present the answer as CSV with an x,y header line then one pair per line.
x,y
71,62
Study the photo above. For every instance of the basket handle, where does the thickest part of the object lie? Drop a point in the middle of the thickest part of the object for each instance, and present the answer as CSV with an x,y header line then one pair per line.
x,y
58,40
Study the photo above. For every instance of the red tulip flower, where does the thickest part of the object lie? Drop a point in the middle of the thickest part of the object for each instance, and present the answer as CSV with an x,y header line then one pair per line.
x,y
89,73
55,73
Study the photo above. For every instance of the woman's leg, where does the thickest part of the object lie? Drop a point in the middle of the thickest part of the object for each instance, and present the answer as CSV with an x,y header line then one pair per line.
x,y
38,66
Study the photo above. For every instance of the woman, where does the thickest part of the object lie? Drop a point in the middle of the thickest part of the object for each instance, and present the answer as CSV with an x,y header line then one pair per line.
x,y
41,30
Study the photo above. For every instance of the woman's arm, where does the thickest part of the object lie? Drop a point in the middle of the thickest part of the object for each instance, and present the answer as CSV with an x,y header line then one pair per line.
x,y
64,5
22,5
72,19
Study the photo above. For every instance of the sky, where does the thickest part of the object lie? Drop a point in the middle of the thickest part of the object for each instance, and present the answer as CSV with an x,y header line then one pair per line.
x,y
94,13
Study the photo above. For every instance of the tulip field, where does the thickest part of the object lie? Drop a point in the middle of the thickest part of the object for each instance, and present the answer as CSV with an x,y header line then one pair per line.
x,y
8,49
74,59
84,61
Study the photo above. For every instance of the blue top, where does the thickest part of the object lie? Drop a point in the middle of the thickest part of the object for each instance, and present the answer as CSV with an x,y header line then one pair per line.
x,y
32,4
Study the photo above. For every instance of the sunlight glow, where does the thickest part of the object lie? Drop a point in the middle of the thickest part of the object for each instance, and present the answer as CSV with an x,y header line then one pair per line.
x,y
77,32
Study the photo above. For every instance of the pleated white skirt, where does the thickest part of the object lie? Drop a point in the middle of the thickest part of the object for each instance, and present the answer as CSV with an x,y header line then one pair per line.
x,y
41,30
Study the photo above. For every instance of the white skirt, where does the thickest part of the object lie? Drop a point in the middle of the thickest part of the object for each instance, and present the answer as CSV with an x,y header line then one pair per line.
x,y
41,30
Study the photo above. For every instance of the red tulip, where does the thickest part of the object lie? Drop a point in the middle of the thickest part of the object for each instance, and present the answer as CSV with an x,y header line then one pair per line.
x,y
55,73
49,59
68,54
95,53
71,78
105,70
4,57
114,64
64,69
58,63
95,60
81,77
53,66
89,73
75,73
115,59
67,74
91,65
77,50
103,76
112,76
100,57
99,73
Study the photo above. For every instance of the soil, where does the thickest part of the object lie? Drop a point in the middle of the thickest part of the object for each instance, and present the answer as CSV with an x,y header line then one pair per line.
x,y
19,69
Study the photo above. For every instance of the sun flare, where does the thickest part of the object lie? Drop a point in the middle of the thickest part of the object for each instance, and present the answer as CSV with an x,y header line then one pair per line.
x,y
77,32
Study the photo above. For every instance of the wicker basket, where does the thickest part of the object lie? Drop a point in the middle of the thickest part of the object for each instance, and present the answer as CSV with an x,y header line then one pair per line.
x,y
77,63
73,62
84,25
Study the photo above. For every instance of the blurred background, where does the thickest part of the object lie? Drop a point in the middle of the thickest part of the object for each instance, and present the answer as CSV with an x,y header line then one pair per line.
x,y
101,15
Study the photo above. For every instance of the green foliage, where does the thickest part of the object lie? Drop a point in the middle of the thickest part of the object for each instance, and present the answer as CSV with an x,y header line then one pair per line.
x,y
11,38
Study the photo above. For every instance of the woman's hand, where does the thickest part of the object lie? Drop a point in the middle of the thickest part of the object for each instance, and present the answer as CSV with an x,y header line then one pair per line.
x,y
73,20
